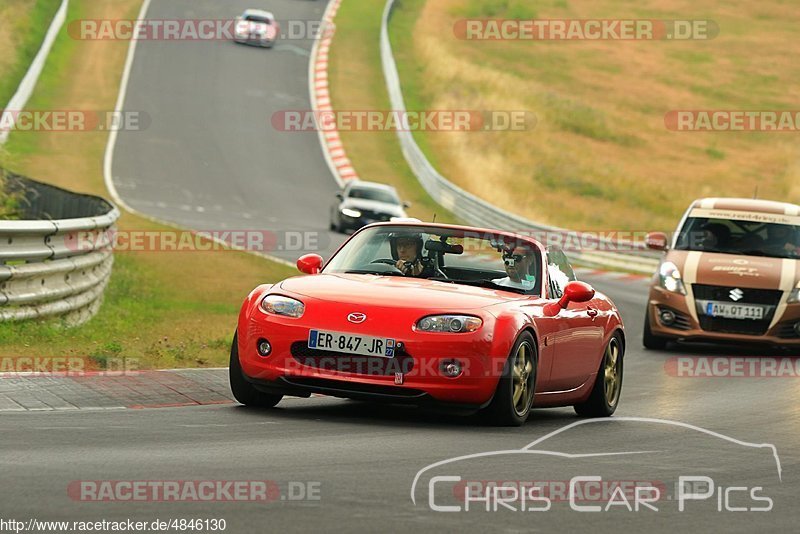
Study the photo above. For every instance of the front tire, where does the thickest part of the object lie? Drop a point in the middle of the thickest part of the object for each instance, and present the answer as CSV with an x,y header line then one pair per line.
x,y
243,391
604,398
513,398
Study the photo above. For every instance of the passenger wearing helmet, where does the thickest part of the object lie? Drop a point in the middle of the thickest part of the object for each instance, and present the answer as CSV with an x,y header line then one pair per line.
x,y
518,262
407,251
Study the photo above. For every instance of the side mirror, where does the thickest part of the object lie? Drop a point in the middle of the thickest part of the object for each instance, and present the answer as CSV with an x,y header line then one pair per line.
x,y
406,204
573,292
656,241
340,196
310,264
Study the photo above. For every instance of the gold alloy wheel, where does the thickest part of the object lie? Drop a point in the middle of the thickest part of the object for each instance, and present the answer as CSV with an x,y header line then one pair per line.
x,y
524,378
612,370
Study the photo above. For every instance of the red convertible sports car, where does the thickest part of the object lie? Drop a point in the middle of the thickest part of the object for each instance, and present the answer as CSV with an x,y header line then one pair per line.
x,y
460,317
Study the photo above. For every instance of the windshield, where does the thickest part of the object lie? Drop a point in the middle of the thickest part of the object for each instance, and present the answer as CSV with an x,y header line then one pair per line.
x,y
446,255
257,18
749,238
368,193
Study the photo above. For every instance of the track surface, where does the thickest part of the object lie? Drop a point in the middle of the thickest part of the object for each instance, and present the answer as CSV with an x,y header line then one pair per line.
x,y
210,146
210,159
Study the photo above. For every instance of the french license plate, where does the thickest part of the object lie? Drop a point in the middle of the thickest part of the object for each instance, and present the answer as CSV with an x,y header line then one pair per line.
x,y
351,343
734,311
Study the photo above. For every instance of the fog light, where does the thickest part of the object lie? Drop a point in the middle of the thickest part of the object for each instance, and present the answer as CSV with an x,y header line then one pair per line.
x,y
797,328
667,317
263,347
451,369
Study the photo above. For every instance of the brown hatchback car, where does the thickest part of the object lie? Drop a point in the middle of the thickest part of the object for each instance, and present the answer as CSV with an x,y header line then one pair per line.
x,y
731,273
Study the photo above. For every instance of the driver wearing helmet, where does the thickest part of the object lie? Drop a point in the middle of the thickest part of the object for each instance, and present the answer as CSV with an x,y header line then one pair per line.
x,y
407,251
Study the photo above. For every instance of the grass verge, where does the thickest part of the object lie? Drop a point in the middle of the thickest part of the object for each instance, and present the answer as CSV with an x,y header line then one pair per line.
x,y
23,25
167,309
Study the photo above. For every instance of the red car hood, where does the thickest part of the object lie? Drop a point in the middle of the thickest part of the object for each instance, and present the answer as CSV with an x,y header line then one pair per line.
x,y
395,291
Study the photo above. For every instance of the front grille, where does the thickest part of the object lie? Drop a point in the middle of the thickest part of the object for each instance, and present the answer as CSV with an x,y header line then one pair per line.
x,y
786,330
375,215
734,326
351,363
681,319
323,384
764,297
751,296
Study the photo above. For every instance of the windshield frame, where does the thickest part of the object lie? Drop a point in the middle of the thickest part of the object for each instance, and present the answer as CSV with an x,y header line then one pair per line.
x,y
543,278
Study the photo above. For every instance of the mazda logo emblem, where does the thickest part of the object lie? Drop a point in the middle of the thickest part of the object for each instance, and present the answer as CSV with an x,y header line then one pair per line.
x,y
357,317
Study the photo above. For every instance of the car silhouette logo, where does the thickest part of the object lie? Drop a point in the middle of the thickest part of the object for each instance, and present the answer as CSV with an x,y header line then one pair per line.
x,y
736,294
357,317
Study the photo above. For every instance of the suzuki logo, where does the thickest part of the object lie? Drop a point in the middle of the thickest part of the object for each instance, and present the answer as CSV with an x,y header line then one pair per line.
x,y
357,317
736,294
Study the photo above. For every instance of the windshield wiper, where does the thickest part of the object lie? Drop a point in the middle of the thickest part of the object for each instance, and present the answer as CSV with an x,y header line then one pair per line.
x,y
479,283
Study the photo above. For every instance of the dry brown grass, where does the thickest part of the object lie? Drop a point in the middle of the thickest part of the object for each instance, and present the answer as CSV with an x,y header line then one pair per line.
x,y
600,156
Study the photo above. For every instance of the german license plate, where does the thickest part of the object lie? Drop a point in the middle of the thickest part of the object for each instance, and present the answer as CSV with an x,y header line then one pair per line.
x,y
351,343
734,311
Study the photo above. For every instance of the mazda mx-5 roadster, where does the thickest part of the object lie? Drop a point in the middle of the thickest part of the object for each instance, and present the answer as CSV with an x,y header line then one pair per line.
x,y
462,318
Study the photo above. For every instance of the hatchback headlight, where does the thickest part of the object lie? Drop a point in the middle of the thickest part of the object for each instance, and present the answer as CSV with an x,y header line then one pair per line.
x,y
453,324
353,214
670,278
794,296
280,305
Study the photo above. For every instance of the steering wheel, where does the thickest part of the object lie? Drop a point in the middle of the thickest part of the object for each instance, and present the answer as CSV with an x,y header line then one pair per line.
x,y
387,261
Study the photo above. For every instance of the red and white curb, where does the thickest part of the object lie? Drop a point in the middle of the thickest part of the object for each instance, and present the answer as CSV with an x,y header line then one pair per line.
x,y
340,165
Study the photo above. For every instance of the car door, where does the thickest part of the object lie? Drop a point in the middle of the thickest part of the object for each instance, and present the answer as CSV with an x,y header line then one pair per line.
x,y
579,331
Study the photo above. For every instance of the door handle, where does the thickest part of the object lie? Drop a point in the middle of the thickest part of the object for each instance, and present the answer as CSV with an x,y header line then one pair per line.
x,y
592,312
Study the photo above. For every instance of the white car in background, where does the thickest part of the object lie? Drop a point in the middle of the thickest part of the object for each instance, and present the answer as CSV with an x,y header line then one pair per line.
x,y
256,27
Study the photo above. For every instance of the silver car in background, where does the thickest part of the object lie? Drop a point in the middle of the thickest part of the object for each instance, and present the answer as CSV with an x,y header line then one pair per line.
x,y
256,27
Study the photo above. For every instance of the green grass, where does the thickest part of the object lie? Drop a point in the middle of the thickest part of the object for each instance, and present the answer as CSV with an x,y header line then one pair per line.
x,y
32,29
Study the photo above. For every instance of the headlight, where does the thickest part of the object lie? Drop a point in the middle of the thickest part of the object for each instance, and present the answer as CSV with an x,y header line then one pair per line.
x,y
794,296
670,278
347,212
280,305
453,324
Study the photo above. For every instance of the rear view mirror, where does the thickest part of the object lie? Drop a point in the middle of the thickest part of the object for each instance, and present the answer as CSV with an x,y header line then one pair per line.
x,y
406,204
309,264
573,292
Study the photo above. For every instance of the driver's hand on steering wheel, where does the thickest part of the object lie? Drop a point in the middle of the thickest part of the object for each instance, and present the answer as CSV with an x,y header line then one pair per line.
x,y
408,268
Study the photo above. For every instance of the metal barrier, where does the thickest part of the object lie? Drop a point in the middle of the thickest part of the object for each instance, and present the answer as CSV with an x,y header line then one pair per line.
x,y
478,212
56,260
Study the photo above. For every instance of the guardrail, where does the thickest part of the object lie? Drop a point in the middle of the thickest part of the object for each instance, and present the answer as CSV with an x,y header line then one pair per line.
x,y
477,211
56,260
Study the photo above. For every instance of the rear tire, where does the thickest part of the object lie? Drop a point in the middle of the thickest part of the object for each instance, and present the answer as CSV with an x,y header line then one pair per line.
x,y
518,378
650,340
604,398
243,391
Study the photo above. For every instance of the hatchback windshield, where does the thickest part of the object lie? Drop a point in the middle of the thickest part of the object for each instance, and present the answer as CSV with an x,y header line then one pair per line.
x,y
447,255
750,238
